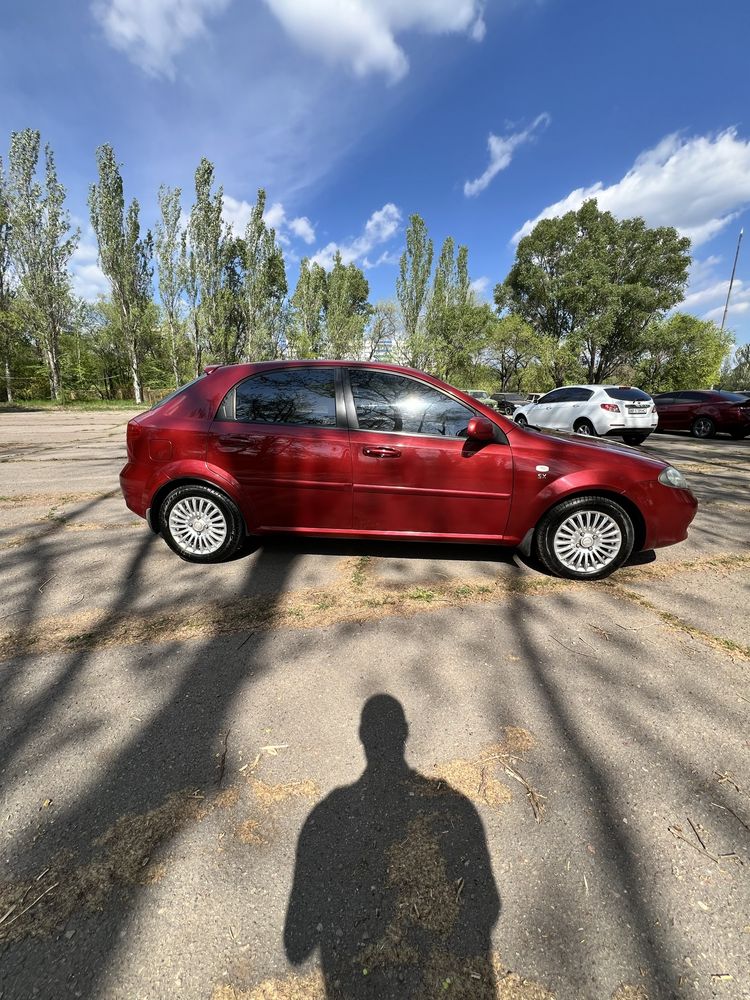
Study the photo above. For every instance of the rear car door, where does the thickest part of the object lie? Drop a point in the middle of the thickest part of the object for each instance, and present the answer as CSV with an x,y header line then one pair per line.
x,y
415,472
282,434
666,408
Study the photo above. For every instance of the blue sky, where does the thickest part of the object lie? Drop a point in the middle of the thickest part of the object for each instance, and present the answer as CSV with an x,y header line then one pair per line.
x,y
355,113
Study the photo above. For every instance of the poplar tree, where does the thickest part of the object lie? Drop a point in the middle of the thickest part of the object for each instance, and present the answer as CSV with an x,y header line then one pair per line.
x,y
125,257
168,252
41,243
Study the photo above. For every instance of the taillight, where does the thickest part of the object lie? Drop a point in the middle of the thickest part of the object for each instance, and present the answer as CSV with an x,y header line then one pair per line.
x,y
653,408
610,407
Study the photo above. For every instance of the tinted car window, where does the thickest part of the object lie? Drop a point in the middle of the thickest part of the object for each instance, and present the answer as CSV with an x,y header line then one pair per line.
x,y
177,392
733,397
291,396
693,397
632,394
665,398
556,396
578,395
386,402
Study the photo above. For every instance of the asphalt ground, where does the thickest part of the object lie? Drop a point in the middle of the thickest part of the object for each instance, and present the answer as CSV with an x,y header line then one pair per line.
x,y
571,818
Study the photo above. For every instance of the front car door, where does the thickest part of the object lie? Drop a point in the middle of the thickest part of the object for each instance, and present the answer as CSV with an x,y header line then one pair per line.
x,y
543,413
414,470
282,435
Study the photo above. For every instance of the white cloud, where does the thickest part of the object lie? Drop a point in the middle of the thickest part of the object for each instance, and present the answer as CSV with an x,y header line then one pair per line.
x,y
381,227
361,34
501,150
303,228
707,291
698,185
479,287
152,33
236,213
88,279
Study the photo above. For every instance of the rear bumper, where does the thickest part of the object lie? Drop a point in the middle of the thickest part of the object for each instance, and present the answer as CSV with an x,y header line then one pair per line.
x,y
133,486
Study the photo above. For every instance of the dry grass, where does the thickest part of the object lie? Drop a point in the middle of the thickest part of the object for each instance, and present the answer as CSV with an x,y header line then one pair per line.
x,y
268,796
300,609
56,499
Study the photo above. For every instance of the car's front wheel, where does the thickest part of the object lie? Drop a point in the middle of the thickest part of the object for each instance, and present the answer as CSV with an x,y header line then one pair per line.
x,y
585,538
521,420
201,524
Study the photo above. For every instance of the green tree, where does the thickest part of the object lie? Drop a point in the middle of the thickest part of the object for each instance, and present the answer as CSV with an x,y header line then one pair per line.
x,y
346,310
265,287
124,255
736,373
308,301
514,350
168,250
594,283
41,245
412,284
203,262
682,352
8,314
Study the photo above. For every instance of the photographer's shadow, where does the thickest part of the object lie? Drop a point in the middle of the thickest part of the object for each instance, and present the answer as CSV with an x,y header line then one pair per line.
x,y
393,882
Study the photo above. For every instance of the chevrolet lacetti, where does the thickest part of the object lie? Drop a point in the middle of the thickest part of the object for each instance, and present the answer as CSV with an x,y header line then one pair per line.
x,y
375,451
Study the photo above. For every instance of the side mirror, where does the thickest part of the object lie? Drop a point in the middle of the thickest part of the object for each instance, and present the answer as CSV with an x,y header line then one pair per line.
x,y
480,429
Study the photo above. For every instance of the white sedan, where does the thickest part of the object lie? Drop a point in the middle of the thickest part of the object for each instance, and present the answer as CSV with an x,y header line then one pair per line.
x,y
606,410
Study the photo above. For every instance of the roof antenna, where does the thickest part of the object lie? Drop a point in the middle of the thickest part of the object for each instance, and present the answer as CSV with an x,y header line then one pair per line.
x,y
731,280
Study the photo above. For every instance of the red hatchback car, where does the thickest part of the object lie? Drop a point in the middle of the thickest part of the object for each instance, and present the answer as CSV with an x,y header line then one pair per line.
x,y
703,412
364,450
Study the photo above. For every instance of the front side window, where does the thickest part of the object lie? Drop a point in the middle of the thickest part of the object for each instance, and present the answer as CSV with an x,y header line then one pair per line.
x,y
397,404
288,396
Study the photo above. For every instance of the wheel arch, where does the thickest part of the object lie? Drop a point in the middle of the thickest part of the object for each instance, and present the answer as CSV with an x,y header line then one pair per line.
x,y
152,514
634,511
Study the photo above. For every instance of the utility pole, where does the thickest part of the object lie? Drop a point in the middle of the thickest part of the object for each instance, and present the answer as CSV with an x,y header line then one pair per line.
x,y
731,280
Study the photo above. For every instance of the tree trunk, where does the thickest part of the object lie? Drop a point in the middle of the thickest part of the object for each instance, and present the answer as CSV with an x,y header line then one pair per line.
x,y
173,344
8,382
53,370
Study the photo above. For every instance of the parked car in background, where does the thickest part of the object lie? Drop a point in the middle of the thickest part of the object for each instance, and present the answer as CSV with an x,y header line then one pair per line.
x,y
374,451
508,402
704,412
482,396
596,410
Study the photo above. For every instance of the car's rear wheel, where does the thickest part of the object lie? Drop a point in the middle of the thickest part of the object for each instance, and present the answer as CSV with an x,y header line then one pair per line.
x,y
201,524
521,420
584,427
703,427
585,538
634,438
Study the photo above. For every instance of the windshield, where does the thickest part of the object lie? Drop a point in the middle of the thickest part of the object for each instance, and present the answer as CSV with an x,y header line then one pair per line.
x,y
733,397
176,392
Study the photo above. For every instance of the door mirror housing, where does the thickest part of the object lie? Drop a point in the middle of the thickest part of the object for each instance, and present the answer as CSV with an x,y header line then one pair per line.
x,y
480,429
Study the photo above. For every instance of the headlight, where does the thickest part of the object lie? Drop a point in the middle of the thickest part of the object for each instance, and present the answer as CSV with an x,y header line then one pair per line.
x,y
673,477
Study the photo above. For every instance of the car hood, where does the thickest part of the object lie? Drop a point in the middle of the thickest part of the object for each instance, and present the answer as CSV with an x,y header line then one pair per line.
x,y
580,448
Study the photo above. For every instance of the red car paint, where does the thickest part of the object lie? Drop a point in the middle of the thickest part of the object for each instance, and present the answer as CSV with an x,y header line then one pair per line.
x,y
729,412
343,481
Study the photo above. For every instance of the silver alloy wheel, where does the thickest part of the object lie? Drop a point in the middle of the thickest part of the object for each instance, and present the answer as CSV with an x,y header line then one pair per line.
x,y
198,526
584,428
587,541
703,427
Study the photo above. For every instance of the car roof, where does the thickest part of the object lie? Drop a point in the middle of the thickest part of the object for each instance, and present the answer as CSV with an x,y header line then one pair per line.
x,y
256,366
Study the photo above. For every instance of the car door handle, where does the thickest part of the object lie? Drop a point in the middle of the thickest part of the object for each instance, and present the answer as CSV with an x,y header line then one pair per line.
x,y
381,452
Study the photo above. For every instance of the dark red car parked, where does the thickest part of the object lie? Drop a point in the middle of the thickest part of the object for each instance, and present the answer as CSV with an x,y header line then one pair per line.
x,y
703,412
376,451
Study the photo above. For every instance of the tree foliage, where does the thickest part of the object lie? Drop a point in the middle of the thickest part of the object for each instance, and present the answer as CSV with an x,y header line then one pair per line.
x,y
682,352
595,283
41,243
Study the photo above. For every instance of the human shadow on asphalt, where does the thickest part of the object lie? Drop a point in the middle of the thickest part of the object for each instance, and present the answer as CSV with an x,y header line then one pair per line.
x,y
393,883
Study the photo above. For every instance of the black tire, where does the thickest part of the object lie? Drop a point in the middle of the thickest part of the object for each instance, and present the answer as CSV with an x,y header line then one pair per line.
x,y
230,522
585,427
521,420
634,438
703,427
547,531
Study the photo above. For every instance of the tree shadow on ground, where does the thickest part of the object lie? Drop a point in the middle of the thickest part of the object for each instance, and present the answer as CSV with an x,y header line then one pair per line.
x,y
393,883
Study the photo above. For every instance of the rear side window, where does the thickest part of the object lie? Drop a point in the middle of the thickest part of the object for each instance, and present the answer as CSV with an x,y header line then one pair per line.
x,y
396,404
578,395
694,397
631,394
289,396
665,398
